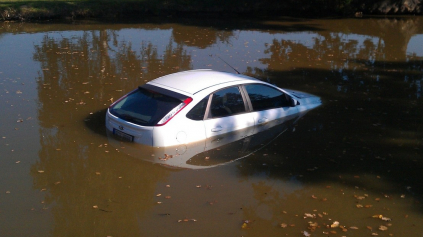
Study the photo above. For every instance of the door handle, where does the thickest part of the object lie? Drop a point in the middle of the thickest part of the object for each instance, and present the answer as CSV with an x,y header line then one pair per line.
x,y
216,129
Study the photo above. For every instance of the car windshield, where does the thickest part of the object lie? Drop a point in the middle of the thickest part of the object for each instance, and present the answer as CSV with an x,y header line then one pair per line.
x,y
144,106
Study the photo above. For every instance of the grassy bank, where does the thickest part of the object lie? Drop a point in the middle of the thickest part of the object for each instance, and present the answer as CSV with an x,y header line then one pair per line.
x,y
38,9
53,9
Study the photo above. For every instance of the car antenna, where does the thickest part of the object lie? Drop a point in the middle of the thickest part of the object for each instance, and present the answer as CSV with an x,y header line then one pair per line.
x,y
229,65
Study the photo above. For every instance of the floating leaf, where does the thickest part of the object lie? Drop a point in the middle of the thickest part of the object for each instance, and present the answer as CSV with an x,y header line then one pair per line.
x,y
313,224
305,233
283,225
383,228
334,224
384,218
354,227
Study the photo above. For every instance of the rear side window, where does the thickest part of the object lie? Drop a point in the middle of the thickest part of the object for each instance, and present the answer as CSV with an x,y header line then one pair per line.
x,y
197,113
226,102
144,107
264,97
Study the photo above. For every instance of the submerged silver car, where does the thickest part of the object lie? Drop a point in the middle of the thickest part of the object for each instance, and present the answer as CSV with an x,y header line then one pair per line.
x,y
195,105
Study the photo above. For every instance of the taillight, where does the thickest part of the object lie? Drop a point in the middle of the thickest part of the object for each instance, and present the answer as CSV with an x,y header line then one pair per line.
x,y
174,111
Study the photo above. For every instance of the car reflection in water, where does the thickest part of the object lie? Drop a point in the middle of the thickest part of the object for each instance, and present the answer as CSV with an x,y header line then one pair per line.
x,y
212,152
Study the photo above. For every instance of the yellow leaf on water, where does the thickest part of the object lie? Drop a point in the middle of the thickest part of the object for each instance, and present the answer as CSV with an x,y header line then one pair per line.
x,y
335,224
313,224
383,228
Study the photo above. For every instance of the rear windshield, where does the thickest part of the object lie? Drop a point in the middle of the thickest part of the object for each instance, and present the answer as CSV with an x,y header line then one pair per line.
x,y
144,106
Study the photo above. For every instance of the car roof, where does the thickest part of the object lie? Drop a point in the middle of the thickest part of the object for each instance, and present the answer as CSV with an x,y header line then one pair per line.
x,y
193,81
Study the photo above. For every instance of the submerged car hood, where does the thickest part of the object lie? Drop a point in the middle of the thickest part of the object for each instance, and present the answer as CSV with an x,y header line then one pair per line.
x,y
306,101
299,94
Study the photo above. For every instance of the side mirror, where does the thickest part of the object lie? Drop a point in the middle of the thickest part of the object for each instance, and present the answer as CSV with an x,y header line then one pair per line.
x,y
294,102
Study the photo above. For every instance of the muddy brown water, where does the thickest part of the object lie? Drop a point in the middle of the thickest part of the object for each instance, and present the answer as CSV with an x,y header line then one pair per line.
x,y
356,160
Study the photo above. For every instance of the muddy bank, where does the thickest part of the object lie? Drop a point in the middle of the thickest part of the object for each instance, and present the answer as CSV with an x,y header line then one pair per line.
x,y
139,9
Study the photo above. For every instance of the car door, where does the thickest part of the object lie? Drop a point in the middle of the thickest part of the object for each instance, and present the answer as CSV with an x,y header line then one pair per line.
x,y
270,106
227,112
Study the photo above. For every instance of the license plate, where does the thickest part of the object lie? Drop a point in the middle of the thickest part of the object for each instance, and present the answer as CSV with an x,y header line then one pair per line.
x,y
123,135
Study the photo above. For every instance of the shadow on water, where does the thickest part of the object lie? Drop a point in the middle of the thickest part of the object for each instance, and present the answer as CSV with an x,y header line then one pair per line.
x,y
96,122
368,128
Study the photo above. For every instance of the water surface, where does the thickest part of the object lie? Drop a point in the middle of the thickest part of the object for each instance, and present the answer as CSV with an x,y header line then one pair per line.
x,y
355,157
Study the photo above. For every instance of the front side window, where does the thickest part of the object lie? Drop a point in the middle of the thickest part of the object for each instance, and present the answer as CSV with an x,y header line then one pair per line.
x,y
144,107
226,102
264,97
